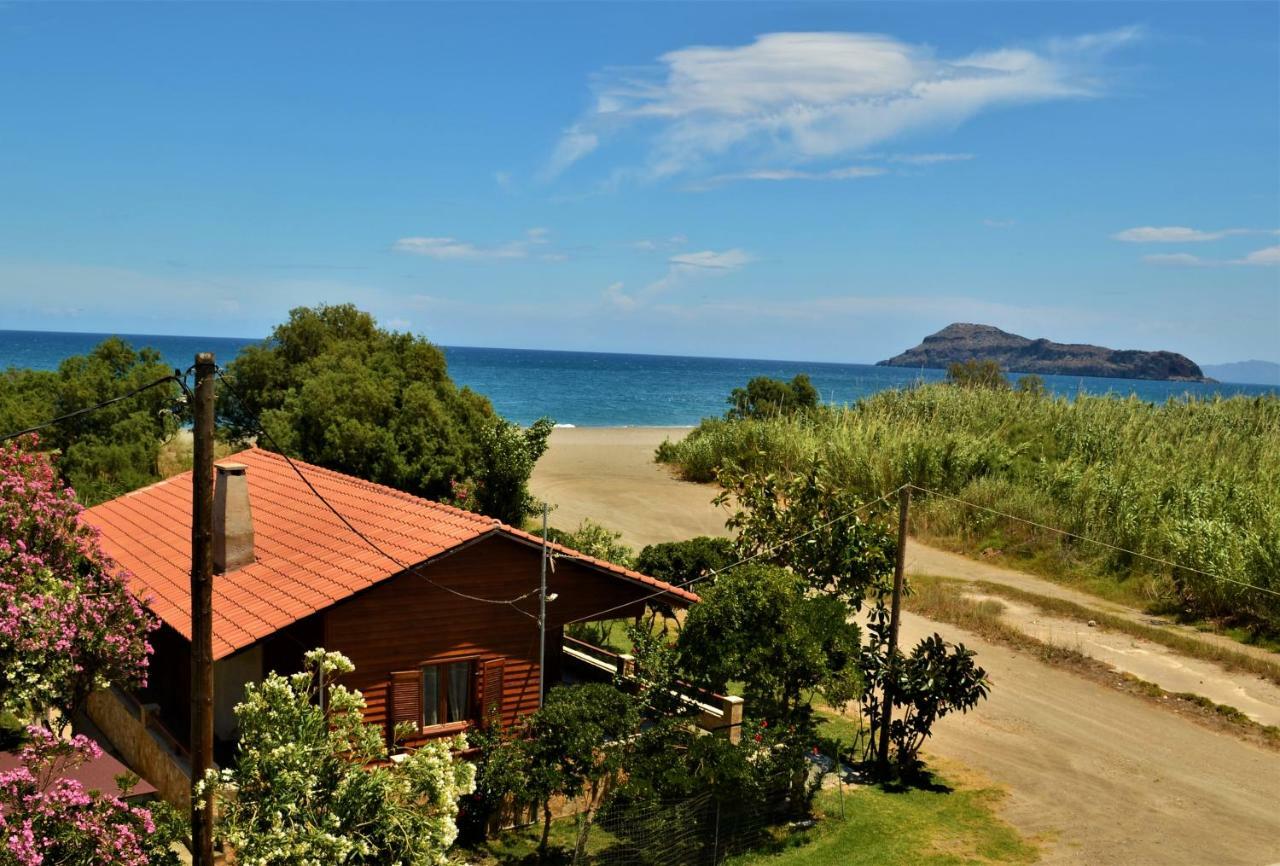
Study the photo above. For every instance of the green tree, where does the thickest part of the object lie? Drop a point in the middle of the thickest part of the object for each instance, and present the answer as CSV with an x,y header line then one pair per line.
x,y
934,680
573,744
842,547
112,450
1031,384
977,374
595,540
333,388
765,397
679,562
761,625
312,784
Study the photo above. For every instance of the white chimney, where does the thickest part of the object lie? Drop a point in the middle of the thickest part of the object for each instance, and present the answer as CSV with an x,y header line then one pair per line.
x,y
232,520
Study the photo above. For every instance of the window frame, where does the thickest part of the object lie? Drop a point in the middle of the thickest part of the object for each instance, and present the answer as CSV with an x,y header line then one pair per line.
x,y
442,695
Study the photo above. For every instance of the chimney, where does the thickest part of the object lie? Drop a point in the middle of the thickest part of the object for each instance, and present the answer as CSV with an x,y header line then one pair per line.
x,y
232,520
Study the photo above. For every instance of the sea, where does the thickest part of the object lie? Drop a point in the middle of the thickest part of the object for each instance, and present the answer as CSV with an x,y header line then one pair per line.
x,y
597,389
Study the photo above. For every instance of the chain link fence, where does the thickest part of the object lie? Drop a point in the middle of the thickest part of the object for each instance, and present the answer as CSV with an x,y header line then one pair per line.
x,y
701,830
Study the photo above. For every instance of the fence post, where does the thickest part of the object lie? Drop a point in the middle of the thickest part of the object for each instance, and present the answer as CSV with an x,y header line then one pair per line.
x,y
715,845
731,718
626,666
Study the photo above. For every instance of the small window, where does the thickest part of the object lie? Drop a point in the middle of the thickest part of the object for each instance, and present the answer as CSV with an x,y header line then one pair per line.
x,y
447,693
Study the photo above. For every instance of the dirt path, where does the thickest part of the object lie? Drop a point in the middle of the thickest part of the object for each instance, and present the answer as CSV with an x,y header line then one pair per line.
x,y
922,559
1105,777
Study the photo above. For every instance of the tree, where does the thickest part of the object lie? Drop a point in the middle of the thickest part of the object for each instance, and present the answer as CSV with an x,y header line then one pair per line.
x,y
1031,384
765,397
331,387
573,744
977,374
802,521
311,783
678,562
68,623
47,818
595,540
935,680
761,625
112,450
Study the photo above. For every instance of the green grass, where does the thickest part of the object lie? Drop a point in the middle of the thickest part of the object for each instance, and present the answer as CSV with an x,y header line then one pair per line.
x,y
915,827
1192,482
937,825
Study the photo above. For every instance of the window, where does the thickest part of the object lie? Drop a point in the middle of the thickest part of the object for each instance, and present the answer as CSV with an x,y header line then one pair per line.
x,y
445,693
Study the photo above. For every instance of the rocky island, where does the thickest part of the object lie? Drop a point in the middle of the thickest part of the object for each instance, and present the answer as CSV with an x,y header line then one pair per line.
x,y
963,342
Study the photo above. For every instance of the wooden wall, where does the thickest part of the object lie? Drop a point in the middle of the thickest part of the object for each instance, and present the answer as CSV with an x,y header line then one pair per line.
x,y
406,621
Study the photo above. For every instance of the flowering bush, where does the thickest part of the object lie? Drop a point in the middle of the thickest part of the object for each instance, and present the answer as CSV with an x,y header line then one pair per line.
x,y
312,783
68,624
47,819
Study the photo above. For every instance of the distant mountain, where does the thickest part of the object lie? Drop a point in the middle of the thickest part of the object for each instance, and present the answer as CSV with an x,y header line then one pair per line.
x,y
1245,372
963,342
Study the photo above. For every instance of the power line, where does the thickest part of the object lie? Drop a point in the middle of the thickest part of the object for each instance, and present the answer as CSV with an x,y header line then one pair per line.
x,y
409,569
1115,547
94,408
766,551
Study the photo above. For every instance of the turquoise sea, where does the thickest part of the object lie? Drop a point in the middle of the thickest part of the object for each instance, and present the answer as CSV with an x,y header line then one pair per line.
x,y
593,389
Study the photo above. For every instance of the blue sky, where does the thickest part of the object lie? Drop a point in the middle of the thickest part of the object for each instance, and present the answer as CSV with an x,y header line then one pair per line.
x,y
806,181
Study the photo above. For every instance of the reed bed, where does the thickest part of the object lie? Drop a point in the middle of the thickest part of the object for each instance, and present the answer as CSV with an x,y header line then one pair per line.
x,y
1195,482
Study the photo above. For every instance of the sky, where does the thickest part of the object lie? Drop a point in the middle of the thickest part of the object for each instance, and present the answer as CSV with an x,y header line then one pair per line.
x,y
800,181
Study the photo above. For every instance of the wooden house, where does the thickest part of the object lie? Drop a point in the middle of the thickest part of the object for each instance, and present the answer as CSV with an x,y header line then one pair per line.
x,y
441,624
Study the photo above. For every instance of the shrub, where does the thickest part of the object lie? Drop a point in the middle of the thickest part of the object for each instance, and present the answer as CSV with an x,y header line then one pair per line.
x,y
68,623
311,783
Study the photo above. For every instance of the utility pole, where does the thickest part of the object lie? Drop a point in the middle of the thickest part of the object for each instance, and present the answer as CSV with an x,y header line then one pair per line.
x,y
542,612
891,673
202,608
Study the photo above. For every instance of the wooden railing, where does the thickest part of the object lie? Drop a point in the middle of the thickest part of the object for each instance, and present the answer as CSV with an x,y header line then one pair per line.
x,y
717,714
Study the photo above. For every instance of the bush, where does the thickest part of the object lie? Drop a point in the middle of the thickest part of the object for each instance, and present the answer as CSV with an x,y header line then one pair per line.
x,y
312,784
68,623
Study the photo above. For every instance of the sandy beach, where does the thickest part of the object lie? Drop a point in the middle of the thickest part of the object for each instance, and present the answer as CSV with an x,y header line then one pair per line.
x,y
608,474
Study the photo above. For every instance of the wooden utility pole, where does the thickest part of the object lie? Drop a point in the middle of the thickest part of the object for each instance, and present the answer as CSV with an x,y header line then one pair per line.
x,y
202,608
891,673
542,612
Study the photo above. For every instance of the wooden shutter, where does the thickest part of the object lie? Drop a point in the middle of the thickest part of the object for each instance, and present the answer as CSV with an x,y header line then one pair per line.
x,y
405,704
491,676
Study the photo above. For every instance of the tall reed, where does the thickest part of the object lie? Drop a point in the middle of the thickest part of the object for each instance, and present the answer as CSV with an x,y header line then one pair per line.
x,y
1194,481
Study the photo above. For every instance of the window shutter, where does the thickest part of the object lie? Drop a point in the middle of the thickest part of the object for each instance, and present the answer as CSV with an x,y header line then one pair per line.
x,y
405,704
491,688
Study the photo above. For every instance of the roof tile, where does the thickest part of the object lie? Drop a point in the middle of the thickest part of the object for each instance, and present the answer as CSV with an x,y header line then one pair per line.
x,y
305,559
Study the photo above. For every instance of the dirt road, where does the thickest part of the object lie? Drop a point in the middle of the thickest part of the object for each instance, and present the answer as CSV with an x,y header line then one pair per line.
x,y
1103,777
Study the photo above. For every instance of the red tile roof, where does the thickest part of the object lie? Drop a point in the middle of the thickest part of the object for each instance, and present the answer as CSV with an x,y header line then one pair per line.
x,y
305,559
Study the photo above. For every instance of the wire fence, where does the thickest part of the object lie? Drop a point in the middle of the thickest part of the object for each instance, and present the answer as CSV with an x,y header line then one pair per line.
x,y
700,830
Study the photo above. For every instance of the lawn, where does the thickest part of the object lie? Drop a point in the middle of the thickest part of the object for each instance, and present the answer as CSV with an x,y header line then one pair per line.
x,y
931,827
944,824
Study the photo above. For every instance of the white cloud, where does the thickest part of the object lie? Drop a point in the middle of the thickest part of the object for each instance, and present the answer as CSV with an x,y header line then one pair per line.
x,y
853,172
1180,234
792,98
929,158
1181,260
1267,256
452,249
681,269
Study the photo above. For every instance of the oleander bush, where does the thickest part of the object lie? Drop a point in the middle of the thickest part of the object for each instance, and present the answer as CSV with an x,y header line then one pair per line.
x,y
1195,482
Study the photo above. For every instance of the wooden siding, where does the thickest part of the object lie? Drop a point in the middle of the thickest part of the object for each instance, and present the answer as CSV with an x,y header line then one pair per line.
x,y
405,621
